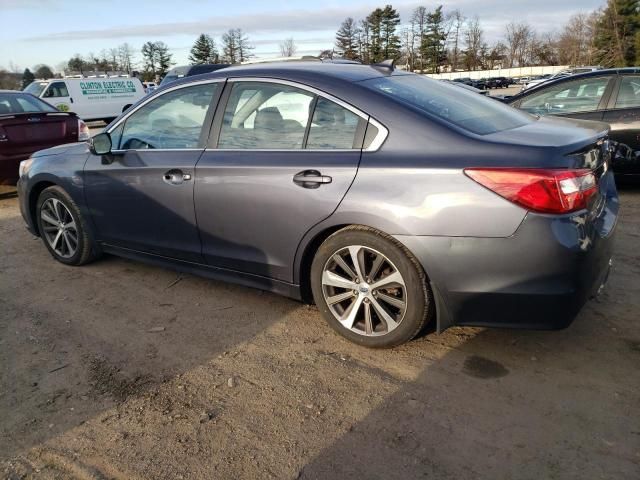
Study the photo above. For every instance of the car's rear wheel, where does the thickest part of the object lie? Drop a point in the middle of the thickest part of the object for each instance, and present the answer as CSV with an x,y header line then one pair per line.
x,y
63,229
369,288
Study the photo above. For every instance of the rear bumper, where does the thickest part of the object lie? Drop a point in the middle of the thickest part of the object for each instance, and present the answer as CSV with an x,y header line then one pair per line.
x,y
539,278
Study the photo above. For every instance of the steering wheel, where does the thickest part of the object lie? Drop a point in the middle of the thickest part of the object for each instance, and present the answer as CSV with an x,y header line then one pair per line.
x,y
136,144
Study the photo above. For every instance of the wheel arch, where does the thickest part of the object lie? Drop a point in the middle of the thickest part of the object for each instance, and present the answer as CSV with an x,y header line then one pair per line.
x,y
34,194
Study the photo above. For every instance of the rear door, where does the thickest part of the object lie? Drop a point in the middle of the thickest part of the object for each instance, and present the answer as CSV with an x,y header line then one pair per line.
x,y
623,116
279,161
583,98
141,195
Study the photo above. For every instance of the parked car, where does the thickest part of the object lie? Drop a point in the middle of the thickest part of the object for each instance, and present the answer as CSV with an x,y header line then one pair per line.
x,y
498,82
391,199
611,96
28,124
177,73
89,98
563,73
467,87
149,87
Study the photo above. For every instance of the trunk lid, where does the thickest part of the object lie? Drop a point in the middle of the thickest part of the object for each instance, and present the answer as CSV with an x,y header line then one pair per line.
x,y
25,133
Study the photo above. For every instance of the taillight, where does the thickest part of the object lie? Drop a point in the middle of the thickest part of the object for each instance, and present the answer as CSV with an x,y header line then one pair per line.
x,y
83,131
539,190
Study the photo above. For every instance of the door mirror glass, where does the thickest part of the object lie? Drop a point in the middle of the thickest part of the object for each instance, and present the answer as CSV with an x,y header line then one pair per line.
x,y
100,144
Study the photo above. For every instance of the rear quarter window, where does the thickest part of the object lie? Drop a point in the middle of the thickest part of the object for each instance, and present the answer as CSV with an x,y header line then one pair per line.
x,y
450,103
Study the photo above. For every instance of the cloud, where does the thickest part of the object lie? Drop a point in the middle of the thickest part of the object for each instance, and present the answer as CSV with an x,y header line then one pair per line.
x,y
546,15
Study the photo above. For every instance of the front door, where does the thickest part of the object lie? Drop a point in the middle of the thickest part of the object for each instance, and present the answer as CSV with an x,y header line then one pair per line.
x,y
57,94
140,197
282,162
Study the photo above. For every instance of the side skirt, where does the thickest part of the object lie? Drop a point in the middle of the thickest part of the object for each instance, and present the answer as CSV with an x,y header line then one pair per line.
x,y
248,280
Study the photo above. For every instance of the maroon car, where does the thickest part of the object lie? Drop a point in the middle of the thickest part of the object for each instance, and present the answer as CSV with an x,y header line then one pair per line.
x,y
28,124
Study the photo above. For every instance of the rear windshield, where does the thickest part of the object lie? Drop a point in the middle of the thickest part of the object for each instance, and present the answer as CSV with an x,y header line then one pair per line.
x,y
36,88
170,78
12,103
465,109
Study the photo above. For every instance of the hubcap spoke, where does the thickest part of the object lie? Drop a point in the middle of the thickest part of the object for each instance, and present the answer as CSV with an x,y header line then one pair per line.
x,y
368,323
48,218
335,280
384,316
349,316
393,278
341,297
356,252
55,241
377,263
396,302
340,261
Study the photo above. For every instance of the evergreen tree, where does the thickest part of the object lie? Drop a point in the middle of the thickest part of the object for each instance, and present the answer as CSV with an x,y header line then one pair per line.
x,y
375,47
27,78
203,51
163,59
433,45
390,20
347,39
616,31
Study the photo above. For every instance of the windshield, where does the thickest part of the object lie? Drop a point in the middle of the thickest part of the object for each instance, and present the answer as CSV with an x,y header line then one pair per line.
x,y
36,88
465,109
12,103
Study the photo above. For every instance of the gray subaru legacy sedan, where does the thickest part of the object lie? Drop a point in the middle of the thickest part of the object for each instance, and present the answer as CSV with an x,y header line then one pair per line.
x,y
390,200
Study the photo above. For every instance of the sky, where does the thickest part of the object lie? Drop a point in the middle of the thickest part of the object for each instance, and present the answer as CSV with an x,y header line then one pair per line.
x,y
51,31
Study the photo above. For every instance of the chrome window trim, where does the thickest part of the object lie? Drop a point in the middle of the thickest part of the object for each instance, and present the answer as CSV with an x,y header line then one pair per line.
x,y
377,142
153,97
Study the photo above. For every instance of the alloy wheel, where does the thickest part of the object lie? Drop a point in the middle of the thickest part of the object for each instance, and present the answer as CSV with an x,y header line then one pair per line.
x,y
364,290
59,228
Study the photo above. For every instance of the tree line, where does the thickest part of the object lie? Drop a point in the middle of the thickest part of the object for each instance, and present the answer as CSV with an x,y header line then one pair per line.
x,y
436,40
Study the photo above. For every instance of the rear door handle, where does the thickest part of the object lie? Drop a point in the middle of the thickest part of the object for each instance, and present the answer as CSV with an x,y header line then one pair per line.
x,y
311,179
176,177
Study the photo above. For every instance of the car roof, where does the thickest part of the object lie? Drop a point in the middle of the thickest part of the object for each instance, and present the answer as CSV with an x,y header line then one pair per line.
x,y
577,76
351,72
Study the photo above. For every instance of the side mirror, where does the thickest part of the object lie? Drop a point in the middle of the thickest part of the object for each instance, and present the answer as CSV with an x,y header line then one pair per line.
x,y
100,144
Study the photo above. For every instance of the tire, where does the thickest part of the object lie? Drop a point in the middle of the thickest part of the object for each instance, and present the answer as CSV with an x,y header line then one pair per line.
x,y
407,303
49,206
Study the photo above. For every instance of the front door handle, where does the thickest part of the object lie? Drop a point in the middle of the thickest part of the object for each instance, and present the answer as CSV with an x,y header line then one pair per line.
x,y
311,179
176,177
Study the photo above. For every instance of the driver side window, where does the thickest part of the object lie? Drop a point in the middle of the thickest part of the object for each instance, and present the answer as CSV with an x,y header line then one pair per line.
x,y
171,121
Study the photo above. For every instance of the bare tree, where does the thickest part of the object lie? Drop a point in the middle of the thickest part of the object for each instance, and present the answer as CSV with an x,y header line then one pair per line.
x,y
288,47
419,30
474,44
575,43
457,22
125,57
519,37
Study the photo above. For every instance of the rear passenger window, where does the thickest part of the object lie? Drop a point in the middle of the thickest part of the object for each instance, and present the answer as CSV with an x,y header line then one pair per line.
x,y
332,127
629,93
265,116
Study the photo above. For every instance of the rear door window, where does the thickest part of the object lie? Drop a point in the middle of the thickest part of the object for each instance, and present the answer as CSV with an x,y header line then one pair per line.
x,y
629,92
265,116
333,127
577,96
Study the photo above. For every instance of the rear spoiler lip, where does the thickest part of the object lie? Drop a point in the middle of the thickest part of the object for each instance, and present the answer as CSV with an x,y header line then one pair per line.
x,y
4,116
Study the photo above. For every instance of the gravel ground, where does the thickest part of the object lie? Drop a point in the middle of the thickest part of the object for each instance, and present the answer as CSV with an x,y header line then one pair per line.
x,y
121,370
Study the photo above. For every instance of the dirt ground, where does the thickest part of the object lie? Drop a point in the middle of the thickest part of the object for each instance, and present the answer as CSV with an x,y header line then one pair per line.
x,y
119,370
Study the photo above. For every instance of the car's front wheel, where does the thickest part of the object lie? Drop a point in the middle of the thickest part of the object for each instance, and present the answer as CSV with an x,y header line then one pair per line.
x,y
63,229
369,288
